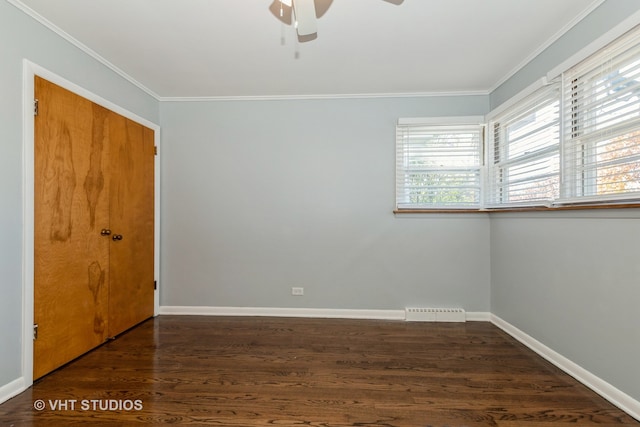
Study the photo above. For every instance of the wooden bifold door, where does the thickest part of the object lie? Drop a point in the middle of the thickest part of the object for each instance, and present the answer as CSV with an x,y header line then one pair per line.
x,y
94,225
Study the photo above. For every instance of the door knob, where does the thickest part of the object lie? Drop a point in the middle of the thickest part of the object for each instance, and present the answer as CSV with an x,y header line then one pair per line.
x,y
105,232
117,237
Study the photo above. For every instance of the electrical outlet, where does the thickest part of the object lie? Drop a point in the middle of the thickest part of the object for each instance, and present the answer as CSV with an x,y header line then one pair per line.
x,y
297,291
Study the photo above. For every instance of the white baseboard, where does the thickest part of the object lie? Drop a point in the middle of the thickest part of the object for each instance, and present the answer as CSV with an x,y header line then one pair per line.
x,y
284,312
326,313
11,389
595,383
478,316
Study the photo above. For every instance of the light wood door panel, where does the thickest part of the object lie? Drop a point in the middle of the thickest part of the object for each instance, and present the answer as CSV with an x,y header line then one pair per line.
x,y
71,205
132,217
94,170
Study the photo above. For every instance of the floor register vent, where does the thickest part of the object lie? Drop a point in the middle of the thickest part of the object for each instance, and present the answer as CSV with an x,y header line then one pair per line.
x,y
434,315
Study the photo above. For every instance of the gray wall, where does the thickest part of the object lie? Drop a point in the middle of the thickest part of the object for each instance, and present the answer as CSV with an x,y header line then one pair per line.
x,y
571,279
260,196
21,37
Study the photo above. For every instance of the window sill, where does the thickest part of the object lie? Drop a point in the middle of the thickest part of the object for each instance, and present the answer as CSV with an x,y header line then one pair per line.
x,y
518,209
437,211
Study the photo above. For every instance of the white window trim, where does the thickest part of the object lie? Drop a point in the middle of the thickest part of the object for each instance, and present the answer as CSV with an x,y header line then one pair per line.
x,y
610,36
533,97
564,200
444,121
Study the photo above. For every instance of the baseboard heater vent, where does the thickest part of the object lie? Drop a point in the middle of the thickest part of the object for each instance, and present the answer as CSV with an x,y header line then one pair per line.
x,y
435,315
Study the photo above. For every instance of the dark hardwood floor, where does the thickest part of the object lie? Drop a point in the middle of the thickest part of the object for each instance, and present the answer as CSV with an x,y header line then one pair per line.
x,y
310,372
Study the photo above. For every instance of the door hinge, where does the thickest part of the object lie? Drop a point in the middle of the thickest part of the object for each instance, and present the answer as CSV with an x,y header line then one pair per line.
x,y
35,106
155,150
155,285
35,331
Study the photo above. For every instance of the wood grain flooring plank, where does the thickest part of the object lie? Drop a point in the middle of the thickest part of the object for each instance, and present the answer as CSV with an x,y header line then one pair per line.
x,y
225,371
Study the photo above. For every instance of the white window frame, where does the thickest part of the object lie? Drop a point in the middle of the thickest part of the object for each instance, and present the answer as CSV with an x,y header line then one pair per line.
x,y
581,137
540,163
596,119
406,151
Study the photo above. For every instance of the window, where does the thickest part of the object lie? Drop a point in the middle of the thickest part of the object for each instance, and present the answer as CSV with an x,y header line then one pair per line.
x,y
524,157
602,125
573,141
438,165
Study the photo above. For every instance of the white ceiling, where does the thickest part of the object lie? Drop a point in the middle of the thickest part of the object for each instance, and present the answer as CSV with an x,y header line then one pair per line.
x,y
232,48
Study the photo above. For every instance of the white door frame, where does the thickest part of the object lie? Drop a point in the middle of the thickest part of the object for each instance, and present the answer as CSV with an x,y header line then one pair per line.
x,y
30,70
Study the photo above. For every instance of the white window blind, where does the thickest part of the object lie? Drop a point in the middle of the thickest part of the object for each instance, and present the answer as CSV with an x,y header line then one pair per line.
x,y
438,166
601,150
524,155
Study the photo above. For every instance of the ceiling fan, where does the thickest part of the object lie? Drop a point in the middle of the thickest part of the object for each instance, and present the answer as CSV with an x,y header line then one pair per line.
x,y
303,14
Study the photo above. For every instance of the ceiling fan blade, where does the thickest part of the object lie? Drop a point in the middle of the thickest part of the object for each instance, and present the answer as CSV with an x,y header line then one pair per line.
x,y
322,6
281,11
305,12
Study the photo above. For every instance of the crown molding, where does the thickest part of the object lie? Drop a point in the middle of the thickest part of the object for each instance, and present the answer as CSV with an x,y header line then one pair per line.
x,y
75,42
321,96
593,6
84,48
596,45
